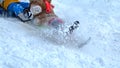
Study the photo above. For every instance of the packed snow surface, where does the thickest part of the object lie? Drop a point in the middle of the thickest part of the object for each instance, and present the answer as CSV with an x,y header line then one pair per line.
x,y
25,46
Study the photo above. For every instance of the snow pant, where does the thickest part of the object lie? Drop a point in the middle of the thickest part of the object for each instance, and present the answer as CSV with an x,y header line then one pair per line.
x,y
17,8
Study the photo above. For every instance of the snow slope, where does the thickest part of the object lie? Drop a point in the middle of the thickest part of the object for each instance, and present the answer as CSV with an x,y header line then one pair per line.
x,y
23,46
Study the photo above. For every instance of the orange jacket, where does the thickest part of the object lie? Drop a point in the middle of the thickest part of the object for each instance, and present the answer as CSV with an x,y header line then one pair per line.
x,y
6,3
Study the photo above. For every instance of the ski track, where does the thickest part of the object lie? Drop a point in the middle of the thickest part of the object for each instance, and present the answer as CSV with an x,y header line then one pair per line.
x,y
25,46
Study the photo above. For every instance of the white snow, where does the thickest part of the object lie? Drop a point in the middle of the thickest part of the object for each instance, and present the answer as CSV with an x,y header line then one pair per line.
x,y
24,46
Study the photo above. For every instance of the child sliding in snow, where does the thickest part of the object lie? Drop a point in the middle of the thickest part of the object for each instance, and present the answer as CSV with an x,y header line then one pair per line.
x,y
41,10
16,8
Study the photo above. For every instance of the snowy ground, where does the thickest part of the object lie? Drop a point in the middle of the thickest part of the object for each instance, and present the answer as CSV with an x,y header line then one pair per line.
x,y
22,46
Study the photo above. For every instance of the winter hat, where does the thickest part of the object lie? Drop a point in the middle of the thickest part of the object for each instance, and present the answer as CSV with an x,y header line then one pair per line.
x,y
44,17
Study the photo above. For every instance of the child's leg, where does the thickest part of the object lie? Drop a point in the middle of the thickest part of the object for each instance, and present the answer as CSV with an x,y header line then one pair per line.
x,y
18,10
15,8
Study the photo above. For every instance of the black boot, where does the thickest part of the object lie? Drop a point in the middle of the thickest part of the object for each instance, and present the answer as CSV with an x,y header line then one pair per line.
x,y
26,15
